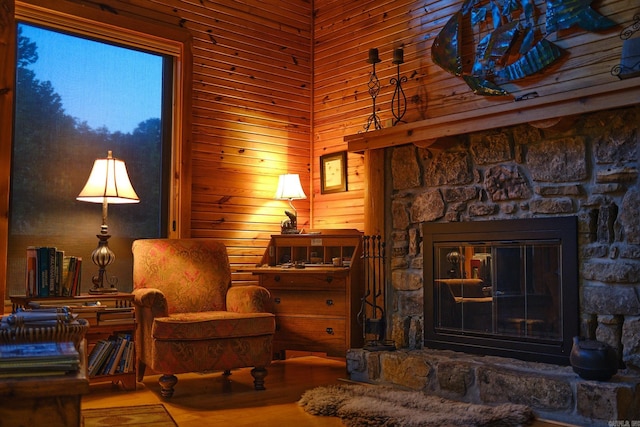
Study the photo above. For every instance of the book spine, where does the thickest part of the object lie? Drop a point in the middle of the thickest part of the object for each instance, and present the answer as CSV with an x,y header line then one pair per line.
x,y
111,357
77,277
43,272
52,271
129,363
31,272
97,348
69,266
101,359
116,361
123,360
59,261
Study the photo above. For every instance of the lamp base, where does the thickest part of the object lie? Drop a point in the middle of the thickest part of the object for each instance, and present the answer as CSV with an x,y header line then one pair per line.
x,y
102,256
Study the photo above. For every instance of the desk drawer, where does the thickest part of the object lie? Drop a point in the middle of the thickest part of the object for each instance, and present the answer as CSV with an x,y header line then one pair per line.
x,y
303,281
311,334
324,303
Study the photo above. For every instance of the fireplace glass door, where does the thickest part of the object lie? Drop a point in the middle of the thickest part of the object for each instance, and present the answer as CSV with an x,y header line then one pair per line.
x,y
511,289
504,287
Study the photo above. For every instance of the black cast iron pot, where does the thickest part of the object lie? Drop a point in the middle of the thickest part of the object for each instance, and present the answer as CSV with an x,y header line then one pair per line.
x,y
593,360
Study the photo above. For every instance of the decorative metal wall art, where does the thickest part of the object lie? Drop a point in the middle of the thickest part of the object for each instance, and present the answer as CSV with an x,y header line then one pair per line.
x,y
514,46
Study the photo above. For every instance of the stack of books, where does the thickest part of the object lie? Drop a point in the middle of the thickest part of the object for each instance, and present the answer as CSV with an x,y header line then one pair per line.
x,y
38,358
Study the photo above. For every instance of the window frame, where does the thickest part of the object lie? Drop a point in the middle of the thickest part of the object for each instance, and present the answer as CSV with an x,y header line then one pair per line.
x,y
127,29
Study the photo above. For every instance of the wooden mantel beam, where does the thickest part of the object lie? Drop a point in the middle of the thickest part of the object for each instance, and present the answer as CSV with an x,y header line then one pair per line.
x,y
617,93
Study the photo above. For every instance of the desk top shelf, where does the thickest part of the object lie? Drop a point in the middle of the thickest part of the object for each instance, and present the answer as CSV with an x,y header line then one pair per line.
x,y
322,249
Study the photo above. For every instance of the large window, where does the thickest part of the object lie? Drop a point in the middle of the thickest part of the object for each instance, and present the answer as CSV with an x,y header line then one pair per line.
x,y
80,93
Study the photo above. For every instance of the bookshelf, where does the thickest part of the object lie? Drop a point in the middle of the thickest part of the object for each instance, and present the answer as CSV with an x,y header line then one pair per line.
x,y
109,316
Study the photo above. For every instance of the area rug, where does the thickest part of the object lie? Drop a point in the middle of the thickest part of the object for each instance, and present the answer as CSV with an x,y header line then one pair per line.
x,y
144,416
373,406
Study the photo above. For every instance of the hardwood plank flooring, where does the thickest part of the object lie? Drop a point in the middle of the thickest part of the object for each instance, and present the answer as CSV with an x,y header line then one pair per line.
x,y
209,399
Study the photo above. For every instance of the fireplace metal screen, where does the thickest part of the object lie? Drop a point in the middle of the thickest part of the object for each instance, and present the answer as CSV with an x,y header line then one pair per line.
x,y
502,287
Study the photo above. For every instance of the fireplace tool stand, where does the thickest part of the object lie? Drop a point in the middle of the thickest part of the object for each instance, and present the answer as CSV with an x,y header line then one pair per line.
x,y
372,314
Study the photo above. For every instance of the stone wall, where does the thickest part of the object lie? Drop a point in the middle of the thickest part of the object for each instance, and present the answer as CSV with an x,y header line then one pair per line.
x,y
589,169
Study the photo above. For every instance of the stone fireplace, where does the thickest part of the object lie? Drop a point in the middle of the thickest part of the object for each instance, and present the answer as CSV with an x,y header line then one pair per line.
x,y
588,170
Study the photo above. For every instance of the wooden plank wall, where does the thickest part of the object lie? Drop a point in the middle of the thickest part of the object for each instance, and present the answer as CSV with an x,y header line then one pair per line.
x,y
251,117
344,31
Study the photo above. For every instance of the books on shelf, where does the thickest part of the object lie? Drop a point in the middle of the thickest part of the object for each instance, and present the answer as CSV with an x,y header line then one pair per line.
x,y
45,358
50,272
111,356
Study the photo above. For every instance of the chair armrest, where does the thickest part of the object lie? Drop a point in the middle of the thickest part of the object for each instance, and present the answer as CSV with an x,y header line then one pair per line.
x,y
249,299
152,301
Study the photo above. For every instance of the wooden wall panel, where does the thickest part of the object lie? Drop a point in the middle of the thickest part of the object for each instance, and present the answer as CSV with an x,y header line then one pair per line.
x,y
251,117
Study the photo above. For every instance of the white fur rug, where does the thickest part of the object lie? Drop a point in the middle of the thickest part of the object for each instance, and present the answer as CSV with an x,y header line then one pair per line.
x,y
373,406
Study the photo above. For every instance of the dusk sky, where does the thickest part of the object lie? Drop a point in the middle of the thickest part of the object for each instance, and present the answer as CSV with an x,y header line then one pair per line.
x,y
101,84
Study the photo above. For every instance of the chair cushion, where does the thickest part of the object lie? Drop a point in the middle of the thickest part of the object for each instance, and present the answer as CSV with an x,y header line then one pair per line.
x,y
212,325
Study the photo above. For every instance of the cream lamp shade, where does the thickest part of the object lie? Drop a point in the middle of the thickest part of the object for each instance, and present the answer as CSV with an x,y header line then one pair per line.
x,y
289,188
108,182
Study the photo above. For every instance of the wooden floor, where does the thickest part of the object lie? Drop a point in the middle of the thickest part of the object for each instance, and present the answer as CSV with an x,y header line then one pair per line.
x,y
209,399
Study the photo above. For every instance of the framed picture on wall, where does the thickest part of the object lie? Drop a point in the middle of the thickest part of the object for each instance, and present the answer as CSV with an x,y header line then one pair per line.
x,y
333,172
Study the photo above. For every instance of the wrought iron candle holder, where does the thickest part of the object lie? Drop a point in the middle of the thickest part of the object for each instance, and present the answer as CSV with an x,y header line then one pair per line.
x,y
372,313
399,100
630,61
374,90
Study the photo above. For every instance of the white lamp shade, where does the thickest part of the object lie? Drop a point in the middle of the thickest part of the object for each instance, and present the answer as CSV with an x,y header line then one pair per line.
x,y
289,188
108,182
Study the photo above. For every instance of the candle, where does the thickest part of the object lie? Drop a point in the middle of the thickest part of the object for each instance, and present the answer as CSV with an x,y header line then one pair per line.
x,y
398,56
373,56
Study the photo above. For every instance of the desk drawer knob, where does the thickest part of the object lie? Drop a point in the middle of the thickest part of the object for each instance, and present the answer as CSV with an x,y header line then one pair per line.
x,y
330,331
329,279
276,300
276,278
329,302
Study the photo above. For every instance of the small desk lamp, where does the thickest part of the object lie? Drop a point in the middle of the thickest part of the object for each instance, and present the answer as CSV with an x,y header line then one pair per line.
x,y
289,188
107,183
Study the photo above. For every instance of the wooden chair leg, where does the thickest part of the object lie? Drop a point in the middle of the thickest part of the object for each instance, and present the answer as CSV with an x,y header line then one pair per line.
x,y
140,372
167,382
258,374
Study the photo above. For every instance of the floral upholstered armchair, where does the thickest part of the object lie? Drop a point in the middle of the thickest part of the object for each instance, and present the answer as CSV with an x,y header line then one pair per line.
x,y
190,318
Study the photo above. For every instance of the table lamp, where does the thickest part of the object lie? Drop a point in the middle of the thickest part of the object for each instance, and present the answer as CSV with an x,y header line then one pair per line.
x,y
107,183
289,188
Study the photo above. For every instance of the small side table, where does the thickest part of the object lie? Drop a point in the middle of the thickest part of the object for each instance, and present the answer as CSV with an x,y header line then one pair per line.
x,y
97,329
44,400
